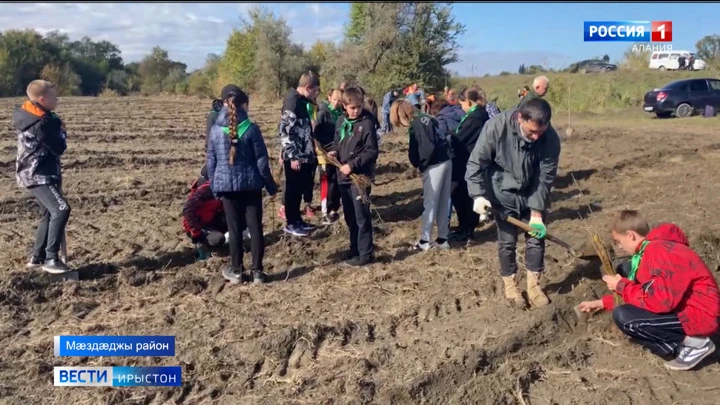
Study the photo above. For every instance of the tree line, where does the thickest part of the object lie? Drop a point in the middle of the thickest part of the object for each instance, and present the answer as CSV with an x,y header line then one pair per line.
x,y
384,46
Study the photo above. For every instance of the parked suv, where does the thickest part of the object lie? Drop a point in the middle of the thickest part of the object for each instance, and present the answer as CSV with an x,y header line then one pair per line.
x,y
591,65
683,98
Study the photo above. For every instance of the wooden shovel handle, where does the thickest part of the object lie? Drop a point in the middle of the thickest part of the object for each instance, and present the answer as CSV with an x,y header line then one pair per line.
x,y
527,228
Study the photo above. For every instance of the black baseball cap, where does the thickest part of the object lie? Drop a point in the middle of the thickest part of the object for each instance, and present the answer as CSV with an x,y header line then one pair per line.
x,y
230,90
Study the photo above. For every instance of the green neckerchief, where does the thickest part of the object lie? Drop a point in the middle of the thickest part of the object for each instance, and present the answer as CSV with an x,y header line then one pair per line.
x,y
635,262
310,110
470,111
336,113
346,127
241,128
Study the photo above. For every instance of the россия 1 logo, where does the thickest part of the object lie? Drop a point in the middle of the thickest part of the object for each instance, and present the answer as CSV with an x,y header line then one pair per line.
x,y
628,31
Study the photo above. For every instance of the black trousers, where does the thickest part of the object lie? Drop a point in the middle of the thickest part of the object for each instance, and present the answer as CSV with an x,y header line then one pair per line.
x,y
507,244
55,214
661,333
328,176
359,220
308,194
296,185
468,219
244,209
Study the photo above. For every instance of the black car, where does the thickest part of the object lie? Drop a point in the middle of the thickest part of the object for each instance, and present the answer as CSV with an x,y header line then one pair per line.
x,y
592,65
683,98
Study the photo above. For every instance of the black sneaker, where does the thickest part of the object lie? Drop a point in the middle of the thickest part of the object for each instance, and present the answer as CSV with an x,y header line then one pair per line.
x,y
35,263
55,266
295,230
331,218
233,276
358,261
259,277
305,226
461,235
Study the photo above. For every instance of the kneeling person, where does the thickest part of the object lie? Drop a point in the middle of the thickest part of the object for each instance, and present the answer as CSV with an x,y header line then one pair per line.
x,y
672,302
204,218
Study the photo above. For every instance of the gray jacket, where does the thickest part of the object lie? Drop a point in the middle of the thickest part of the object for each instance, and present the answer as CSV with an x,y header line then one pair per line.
x,y
513,174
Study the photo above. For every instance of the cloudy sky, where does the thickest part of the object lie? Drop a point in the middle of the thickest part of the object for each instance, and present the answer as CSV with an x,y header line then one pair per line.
x,y
496,39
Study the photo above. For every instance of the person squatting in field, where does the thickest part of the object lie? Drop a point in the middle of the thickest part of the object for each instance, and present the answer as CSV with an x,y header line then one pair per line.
x,y
465,136
356,148
511,169
671,299
430,153
41,142
324,133
238,169
297,150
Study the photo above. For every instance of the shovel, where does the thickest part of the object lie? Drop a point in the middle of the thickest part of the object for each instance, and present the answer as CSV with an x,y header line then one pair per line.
x,y
585,255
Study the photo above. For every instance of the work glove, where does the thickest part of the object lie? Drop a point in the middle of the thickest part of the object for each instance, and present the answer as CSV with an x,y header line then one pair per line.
x,y
539,228
481,206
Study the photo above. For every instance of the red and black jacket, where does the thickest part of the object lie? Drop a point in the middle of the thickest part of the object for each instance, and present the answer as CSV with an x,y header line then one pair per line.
x,y
201,209
672,278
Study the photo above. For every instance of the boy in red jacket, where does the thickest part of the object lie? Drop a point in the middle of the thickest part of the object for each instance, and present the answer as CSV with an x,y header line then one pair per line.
x,y
671,299
204,218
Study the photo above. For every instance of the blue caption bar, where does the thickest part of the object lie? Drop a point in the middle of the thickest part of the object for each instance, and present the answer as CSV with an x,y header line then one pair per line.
x,y
114,346
162,376
617,31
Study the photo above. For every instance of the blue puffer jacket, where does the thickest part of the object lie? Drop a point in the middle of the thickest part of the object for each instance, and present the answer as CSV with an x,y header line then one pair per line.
x,y
251,170
449,118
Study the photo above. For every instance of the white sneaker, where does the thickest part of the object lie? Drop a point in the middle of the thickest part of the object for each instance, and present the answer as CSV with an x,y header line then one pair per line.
x,y
422,245
689,357
442,246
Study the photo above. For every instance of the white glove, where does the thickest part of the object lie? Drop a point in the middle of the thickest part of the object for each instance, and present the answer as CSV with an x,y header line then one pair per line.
x,y
481,205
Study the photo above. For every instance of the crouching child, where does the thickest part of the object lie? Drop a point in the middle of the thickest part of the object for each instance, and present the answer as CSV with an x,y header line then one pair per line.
x,y
204,218
356,148
671,300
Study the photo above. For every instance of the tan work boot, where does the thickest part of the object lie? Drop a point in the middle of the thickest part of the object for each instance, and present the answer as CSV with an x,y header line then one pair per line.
x,y
536,296
512,294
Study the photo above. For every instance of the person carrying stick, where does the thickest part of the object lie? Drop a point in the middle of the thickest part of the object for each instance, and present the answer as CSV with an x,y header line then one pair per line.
x,y
356,149
511,169
671,299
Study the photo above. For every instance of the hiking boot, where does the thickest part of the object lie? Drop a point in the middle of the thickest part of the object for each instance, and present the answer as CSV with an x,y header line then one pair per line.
x,y
232,275
512,294
689,357
536,296
259,277
55,266
358,261
34,263
442,244
295,230
422,245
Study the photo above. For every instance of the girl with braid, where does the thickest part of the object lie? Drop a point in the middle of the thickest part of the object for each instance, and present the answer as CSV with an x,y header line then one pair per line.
x,y
238,169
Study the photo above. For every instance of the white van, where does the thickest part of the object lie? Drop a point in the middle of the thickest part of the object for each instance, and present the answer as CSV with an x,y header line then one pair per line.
x,y
663,60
